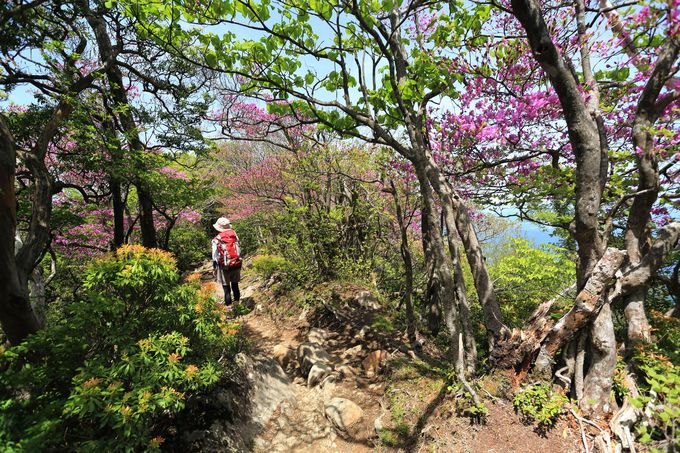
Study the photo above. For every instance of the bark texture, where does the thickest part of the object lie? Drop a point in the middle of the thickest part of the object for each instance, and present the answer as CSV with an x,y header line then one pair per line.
x,y
16,315
584,135
540,332
598,381
456,215
442,276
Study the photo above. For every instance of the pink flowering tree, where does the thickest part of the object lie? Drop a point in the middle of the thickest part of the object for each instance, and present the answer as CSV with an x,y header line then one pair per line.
x,y
566,111
178,198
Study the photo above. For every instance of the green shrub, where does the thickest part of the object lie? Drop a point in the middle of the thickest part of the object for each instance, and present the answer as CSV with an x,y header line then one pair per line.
x,y
660,398
190,244
268,265
525,276
383,324
118,362
464,404
539,403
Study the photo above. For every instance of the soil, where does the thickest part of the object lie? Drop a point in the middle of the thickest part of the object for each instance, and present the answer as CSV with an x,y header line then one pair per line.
x,y
409,406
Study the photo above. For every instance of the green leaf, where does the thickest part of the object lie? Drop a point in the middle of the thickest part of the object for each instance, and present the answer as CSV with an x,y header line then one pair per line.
x,y
211,59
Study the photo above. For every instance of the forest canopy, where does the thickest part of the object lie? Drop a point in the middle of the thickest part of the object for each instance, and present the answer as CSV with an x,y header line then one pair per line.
x,y
403,144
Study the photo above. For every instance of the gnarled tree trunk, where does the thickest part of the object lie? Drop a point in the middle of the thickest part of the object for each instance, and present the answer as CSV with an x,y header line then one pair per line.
x,y
16,315
597,386
442,277
457,219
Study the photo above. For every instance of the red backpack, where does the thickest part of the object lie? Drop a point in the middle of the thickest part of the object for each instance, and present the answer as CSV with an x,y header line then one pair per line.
x,y
228,250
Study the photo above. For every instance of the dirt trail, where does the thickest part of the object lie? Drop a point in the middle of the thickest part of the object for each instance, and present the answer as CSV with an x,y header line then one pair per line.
x,y
406,407
299,424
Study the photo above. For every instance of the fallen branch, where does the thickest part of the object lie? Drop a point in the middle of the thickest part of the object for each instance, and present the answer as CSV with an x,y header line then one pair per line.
x,y
542,333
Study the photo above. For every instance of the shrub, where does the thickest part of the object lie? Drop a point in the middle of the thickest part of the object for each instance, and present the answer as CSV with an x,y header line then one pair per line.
x,y
660,399
117,363
539,403
268,265
190,244
525,276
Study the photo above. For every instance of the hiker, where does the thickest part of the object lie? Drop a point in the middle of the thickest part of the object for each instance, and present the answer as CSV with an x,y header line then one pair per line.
x,y
226,259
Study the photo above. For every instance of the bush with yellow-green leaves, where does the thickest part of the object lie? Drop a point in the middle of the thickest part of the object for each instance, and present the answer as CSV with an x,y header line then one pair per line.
x,y
107,374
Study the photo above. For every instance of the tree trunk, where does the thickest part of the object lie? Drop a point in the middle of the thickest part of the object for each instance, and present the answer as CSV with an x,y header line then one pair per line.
x,y
411,331
115,184
115,78
442,275
579,364
118,212
434,311
37,295
16,315
455,213
461,296
599,378
583,136
639,328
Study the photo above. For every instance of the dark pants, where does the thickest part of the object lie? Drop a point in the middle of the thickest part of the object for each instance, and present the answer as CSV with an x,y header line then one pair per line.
x,y
228,291
229,280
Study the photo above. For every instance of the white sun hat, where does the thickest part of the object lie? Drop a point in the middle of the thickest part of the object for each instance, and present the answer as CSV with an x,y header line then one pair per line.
x,y
222,224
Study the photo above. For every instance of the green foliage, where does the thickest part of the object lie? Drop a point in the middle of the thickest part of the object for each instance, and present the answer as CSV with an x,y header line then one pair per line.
x,y
250,232
190,244
121,358
660,398
325,243
539,403
383,324
525,276
268,265
618,385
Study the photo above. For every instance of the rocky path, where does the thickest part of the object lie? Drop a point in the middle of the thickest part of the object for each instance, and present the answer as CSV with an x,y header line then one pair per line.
x,y
299,423
308,392
330,380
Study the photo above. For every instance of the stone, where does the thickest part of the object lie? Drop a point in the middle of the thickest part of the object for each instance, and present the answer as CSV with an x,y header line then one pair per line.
x,y
269,388
352,352
283,355
378,424
309,354
367,300
328,383
347,372
343,413
317,374
248,292
372,363
317,335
